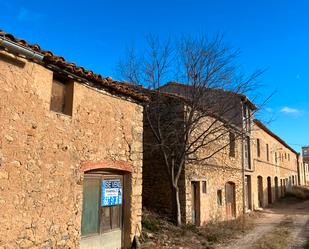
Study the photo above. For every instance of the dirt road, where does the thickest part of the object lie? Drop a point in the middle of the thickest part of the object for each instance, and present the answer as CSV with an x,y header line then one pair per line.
x,y
290,216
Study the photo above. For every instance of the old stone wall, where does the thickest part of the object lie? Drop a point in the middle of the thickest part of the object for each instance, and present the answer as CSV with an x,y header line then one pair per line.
x,y
280,166
306,174
158,193
301,171
217,171
41,153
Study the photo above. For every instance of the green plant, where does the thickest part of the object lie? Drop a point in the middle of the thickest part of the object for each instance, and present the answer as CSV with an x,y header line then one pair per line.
x,y
298,192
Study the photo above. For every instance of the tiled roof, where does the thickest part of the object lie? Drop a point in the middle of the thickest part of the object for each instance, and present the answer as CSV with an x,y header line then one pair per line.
x,y
50,59
240,95
268,131
178,97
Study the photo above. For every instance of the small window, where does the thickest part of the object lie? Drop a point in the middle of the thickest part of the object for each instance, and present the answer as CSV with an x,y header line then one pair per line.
x,y
258,147
219,197
276,160
232,144
267,152
204,187
284,155
62,96
289,156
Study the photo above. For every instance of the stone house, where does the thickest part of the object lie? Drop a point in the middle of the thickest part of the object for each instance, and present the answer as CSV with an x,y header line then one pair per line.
x,y
237,109
70,153
275,166
305,155
300,170
306,173
212,190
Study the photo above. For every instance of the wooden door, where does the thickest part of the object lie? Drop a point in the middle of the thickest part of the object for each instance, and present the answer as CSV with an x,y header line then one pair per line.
x,y
247,192
269,192
276,188
260,191
230,201
102,222
194,202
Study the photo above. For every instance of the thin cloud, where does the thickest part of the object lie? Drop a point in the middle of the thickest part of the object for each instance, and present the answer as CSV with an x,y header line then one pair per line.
x,y
290,110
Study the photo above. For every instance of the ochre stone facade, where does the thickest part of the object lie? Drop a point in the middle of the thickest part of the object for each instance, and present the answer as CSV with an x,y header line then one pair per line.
x,y
208,178
43,156
301,170
274,167
216,172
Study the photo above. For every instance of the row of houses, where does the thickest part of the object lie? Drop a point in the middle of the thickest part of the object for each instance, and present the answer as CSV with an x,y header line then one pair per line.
x,y
77,165
249,174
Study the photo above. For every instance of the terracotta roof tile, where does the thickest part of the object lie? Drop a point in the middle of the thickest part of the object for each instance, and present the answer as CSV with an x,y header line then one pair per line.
x,y
109,84
240,95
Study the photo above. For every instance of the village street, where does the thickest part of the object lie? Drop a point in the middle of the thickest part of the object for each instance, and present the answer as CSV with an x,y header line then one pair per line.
x,y
289,219
154,124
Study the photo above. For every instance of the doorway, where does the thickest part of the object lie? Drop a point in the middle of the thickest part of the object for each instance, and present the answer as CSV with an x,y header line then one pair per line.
x,y
247,192
102,222
276,189
269,192
260,191
230,200
195,197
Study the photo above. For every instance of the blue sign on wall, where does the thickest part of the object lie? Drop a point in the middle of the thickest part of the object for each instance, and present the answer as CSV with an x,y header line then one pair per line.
x,y
111,192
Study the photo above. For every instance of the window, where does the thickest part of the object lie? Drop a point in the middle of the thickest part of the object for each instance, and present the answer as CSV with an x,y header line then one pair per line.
x,y
276,160
246,118
305,152
204,187
247,153
267,152
232,144
284,155
62,96
258,147
219,197
289,156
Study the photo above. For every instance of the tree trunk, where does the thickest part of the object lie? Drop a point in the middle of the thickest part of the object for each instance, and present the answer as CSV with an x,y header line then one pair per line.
x,y
178,212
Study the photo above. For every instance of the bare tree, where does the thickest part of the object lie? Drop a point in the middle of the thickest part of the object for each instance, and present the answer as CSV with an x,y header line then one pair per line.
x,y
195,124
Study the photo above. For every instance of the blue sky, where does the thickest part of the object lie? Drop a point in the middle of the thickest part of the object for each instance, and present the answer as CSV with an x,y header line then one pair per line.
x,y
272,35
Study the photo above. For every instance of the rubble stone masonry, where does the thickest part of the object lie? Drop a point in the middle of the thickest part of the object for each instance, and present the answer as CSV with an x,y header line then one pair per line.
x,y
278,163
209,177
220,169
42,154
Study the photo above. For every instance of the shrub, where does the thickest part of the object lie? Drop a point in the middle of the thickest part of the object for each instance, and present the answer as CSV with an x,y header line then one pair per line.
x,y
298,192
150,221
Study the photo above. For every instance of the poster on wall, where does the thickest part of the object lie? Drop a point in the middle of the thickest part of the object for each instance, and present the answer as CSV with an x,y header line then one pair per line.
x,y
111,192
